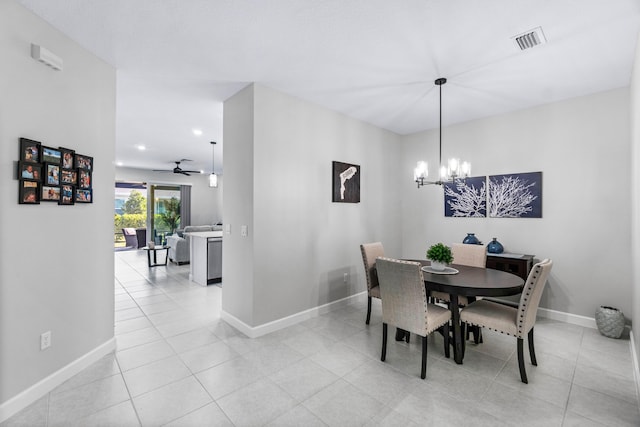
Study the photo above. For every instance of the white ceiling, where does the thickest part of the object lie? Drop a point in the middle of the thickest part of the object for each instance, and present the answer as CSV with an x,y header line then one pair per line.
x,y
375,60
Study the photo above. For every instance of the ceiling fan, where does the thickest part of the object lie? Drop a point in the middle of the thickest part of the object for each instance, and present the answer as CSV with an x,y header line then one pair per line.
x,y
178,169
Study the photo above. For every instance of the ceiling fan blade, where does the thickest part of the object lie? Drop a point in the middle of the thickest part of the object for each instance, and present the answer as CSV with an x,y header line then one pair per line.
x,y
182,170
162,170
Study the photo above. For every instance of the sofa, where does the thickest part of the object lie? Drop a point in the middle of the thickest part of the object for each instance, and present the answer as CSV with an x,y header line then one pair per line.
x,y
179,242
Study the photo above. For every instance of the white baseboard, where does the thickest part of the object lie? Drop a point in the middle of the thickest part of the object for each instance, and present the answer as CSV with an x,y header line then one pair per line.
x,y
266,328
36,391
636,367
574,319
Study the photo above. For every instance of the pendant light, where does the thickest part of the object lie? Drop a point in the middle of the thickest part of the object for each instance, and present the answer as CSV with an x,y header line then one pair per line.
x,y
454,169
213,178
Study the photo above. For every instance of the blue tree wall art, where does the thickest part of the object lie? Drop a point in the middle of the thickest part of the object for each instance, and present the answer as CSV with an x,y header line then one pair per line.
x,y
466,198
515,195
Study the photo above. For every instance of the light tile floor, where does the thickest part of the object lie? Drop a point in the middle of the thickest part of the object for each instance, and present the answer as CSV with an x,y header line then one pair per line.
x,y
178,364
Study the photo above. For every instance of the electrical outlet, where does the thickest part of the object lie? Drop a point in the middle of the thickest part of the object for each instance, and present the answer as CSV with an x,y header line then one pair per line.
x,y
244,231
45,340
345,278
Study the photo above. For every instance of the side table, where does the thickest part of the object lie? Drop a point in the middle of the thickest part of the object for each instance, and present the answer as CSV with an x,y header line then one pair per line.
x,y
517,264
520,265
155,252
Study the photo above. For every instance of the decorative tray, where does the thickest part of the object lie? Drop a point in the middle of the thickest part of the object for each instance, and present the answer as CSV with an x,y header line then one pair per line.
x,y
447,270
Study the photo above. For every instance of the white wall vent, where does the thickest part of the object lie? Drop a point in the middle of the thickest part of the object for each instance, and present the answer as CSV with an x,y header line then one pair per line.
x,y
530,39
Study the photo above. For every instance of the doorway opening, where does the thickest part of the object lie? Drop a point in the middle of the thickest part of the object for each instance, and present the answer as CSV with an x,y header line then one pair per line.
x,y
164,212
130,215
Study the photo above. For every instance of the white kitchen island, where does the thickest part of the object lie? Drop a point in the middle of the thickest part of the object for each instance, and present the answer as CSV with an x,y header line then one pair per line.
x,y
205,249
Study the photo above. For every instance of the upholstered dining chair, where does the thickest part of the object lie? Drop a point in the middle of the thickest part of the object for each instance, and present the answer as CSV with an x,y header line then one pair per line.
x,y
463,254
472,256
371,251
517,322
404,305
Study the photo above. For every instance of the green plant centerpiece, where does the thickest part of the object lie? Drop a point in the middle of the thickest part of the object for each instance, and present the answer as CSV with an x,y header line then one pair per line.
x,y
440,255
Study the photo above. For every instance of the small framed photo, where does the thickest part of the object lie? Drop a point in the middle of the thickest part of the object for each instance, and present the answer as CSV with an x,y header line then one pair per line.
x,y
30,150
51,155
27,170
66,195
50,193
346,182
67,158
52,172
83,162
28,192
84,178
69,176
83,196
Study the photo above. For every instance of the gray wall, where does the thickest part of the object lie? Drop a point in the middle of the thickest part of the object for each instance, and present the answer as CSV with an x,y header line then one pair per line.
x,y
237,251
635,197
302,242
206,202
56,268
582,148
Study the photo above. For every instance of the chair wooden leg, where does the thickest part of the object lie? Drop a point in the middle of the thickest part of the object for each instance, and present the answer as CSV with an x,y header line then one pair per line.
x,y
384,342
423,372
523,372
445,328
532,351
477,334
368,310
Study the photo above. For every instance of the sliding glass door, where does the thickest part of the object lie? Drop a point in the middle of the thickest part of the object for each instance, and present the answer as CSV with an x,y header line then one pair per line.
x,y
164,211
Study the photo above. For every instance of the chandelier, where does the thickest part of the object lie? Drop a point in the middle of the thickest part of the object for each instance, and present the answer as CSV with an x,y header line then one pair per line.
x,y
452,171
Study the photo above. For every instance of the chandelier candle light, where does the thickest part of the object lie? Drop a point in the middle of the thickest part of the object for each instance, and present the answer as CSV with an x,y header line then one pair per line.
x,y
454,169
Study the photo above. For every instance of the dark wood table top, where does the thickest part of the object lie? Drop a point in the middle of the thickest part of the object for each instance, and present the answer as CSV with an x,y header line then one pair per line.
x,y
473,281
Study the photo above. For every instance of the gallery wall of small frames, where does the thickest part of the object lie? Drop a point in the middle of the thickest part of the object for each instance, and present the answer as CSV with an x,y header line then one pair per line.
x,y
48,174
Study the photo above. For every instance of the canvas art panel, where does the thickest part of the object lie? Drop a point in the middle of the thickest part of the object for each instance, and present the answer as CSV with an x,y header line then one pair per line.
x,y
516,195
466,198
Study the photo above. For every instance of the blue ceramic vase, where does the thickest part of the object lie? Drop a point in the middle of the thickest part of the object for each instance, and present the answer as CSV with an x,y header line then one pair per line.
x,y
471,239
495,247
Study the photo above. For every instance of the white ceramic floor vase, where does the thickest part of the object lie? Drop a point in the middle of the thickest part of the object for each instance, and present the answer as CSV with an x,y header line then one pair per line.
x,y
610,321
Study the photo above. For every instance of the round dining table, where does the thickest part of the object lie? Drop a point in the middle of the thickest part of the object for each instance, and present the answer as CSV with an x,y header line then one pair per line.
x,y
470,282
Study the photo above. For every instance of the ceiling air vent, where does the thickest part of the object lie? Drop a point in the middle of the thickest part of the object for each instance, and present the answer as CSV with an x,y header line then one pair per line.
x,y
530,39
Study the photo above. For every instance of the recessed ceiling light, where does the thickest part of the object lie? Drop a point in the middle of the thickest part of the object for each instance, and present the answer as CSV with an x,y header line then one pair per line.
x,y
197,132
141,147
201,171
119,163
